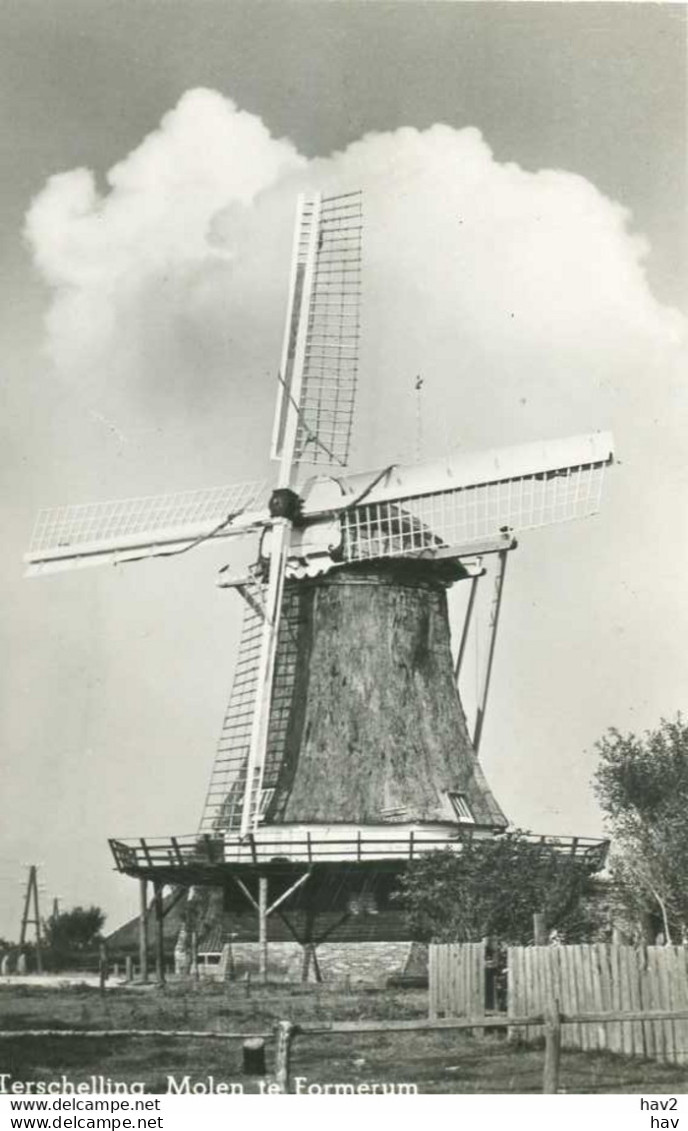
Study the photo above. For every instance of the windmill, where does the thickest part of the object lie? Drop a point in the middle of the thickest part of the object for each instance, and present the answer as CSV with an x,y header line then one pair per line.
x,y
345,749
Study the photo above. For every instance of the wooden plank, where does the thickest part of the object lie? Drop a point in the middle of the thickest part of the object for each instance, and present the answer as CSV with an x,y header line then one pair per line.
x,y
528,996
617,975
522,997
587,1002
636,959
602,963
639,961
665,968
673,994
513,988
539,997
451,974
579,982
471,981
445,1004
656,1002
538,992
660,959
573,979
549,994
683,1000
585,998
568,1032
680,999
539,959
643,994
627,961
599,1031
591,993
444,984
479,979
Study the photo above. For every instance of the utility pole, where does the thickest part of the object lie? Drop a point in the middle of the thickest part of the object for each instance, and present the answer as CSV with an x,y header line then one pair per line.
x,y
31,904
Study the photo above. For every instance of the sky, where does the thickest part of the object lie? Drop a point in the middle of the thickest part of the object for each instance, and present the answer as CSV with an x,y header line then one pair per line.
x,y
524,175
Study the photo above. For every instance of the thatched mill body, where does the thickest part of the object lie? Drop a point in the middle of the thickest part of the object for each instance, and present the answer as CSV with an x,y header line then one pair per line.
x,y
345,749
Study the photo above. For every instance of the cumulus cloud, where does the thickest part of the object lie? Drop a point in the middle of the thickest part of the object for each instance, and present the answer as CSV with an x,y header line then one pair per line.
x,y
521,296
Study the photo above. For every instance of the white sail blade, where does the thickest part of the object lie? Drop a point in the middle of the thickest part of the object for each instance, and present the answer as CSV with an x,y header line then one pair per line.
x,y
319,368
225,797
266,670
129,529
466,501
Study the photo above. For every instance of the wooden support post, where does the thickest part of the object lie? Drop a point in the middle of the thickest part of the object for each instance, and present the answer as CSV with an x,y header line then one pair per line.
x,y
285,1034
195,973
159,935
466,627
494,625
306,965
263,927
550,1078
128,968
539,929
143,928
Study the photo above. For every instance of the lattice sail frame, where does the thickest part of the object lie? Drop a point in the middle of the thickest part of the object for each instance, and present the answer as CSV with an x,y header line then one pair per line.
x,y
222,812
127,529
320,380
467,516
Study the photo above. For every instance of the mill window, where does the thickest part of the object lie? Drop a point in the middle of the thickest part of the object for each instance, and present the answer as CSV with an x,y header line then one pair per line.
x,y
461,808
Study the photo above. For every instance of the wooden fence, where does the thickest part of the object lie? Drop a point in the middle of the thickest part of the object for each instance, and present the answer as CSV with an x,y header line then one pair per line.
x,y
600,979
456,979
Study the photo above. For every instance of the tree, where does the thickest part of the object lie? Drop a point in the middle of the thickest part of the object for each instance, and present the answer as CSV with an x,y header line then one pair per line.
x,y
75,930
642,786
493,887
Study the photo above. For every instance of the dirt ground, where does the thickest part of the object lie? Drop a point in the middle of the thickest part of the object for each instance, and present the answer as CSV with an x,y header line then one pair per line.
x,y
435,1062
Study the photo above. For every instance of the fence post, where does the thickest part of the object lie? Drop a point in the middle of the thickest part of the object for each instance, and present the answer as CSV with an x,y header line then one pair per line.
x,y
253,1054
128,968
103,964
285,1034
550,1079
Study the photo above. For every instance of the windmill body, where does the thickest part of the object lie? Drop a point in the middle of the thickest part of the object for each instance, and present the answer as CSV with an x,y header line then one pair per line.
x,y
345,749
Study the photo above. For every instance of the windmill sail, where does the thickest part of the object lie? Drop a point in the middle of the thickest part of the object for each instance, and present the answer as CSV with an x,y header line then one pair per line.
x,y
318,380
129,529
224,801
468,500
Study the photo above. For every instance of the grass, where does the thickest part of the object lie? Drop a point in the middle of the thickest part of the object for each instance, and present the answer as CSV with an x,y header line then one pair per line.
x,y
436,1062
